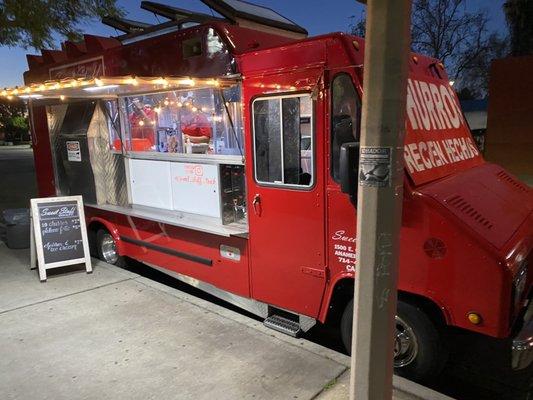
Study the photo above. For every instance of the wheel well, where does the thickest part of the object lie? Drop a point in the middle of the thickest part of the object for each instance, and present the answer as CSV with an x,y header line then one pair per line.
x,y
432,310
343,293
92,230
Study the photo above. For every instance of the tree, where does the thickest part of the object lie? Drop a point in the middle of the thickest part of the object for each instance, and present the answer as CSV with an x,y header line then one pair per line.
x,y
13,120
445,30
34,23
519,15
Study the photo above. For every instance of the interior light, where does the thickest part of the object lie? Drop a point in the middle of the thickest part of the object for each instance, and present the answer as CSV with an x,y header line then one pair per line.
x,y
161,81
186,82
31,96
99,88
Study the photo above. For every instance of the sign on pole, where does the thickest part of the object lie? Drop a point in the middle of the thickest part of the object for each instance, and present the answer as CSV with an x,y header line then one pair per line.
x,y
58,234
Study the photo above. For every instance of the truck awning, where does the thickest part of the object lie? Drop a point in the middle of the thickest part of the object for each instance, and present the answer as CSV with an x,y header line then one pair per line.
x,y
110,87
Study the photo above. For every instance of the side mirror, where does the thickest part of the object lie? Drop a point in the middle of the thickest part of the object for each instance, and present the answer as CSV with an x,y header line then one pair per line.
x,y
348,166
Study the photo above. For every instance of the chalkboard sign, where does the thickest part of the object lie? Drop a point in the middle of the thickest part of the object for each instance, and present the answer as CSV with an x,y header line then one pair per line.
x,y
59,235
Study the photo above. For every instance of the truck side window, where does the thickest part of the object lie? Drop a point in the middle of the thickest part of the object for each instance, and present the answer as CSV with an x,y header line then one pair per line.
x,y
283,142
345,118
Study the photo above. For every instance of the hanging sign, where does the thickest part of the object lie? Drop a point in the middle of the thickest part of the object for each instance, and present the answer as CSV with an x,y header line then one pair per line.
x,y
58,234
438,141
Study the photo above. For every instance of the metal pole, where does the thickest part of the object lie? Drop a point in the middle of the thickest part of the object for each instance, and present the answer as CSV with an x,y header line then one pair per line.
x,y
379,210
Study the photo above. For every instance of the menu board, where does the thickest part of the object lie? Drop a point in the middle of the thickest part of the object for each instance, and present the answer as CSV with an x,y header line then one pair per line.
x,y
59,235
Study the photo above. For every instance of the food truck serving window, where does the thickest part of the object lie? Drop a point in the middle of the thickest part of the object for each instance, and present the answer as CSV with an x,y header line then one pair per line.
x,y
200,121
283,140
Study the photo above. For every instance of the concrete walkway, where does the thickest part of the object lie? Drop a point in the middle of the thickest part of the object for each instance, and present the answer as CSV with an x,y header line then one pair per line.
x,y
116,335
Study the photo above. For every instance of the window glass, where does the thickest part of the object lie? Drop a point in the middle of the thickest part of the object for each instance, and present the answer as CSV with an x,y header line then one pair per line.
x,y
113,124
345,118
283,140
199,121
267,128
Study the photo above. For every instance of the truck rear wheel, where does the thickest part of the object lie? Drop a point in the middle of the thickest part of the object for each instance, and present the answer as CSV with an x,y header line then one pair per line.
x,y
419,351
107,249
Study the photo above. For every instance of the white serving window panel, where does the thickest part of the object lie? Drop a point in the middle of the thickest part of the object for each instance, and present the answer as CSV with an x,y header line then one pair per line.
x,y
150,183
195,188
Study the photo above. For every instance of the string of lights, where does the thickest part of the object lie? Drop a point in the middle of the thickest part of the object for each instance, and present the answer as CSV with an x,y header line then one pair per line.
x,y
64,87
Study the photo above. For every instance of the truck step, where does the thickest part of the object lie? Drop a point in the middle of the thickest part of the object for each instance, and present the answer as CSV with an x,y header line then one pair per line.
x,y
283,325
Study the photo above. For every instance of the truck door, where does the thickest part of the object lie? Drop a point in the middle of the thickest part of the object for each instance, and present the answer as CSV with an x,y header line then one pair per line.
x,y
286,198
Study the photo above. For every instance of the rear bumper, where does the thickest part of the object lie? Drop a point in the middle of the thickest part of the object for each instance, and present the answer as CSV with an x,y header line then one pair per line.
x,y
522,347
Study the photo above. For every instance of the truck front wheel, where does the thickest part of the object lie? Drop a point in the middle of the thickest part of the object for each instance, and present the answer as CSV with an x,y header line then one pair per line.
x,y
419,351
107,249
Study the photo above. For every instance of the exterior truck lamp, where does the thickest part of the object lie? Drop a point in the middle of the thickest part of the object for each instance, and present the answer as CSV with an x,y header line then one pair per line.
x,y
474,318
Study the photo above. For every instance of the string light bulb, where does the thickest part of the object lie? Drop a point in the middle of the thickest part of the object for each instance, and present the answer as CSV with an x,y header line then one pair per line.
x,y
62,97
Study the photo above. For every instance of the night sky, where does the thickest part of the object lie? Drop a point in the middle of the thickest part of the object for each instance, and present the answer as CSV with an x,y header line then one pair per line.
x,y
317,16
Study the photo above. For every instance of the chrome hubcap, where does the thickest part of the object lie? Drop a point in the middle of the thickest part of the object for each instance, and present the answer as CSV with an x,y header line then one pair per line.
x,y
405,344
109,250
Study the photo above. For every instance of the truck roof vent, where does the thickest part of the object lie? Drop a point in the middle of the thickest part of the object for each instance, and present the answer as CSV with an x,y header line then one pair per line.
x,y
504,176
463,206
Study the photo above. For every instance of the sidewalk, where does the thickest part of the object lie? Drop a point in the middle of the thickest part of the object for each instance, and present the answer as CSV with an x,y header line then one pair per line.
x,y
115,335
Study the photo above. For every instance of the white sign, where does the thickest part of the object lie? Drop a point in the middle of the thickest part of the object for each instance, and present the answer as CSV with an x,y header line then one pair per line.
x,y
73,151
58,234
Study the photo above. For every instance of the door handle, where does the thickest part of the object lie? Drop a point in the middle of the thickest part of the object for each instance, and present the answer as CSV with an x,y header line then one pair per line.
x,y
256,203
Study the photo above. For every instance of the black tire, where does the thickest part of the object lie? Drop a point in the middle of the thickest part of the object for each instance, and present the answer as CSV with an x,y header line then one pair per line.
x,y
103,236
431,353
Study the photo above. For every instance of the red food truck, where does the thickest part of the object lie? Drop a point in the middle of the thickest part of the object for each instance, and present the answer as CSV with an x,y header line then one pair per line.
x,y
209,148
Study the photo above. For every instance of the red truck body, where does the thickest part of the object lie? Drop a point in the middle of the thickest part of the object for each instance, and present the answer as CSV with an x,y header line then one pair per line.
x,y
467,224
